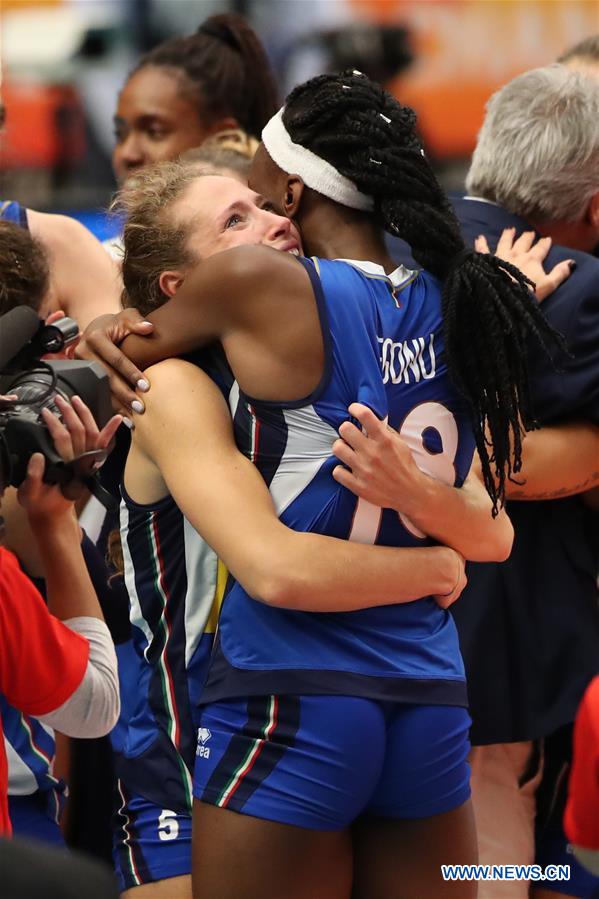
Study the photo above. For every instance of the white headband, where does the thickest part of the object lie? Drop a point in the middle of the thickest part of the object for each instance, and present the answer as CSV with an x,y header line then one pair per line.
x,y
315,172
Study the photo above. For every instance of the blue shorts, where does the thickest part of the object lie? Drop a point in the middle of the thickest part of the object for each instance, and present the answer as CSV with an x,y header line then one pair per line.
x,y
149,843
321,761
37,817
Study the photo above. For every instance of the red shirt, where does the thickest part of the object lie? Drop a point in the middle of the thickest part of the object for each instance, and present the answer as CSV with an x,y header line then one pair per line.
x,y
581,819
42,662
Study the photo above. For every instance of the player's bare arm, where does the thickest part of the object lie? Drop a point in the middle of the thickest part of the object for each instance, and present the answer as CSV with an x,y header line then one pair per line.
x,y
380,468
558,461
223,495
259,303
85,280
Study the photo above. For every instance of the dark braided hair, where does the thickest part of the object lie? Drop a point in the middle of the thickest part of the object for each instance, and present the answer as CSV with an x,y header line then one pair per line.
x,y
488,309
227,68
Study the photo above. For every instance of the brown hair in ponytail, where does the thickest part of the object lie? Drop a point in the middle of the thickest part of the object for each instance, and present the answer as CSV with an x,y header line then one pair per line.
x,y
226,69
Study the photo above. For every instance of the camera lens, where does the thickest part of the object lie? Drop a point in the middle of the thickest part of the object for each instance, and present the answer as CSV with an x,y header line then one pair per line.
x,y
36,389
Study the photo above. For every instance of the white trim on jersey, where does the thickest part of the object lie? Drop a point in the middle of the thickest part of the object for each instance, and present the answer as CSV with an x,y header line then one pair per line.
x,y
309,445
135,612
201,566
21,779
398,276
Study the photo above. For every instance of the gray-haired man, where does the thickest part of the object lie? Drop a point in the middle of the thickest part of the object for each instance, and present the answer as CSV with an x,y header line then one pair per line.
x,y
583,56
529,628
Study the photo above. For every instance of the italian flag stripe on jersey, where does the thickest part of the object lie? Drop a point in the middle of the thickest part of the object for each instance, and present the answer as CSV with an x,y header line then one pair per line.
x,y
254,751
168,687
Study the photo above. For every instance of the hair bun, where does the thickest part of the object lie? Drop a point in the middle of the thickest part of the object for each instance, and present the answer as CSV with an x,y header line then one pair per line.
x,y
220,30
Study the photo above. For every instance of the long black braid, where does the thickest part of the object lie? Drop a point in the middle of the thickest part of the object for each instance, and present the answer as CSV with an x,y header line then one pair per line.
x,y
488,309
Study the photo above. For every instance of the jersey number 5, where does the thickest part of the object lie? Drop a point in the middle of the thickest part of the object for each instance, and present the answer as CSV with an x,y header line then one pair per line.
x,y
168,826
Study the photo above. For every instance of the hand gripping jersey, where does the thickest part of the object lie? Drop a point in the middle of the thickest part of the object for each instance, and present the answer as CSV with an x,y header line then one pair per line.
x,y
175,586
384,348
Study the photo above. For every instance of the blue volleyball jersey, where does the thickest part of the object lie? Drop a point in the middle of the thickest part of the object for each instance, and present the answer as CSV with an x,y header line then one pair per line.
x,y
384,348
11,211
30,750
175,585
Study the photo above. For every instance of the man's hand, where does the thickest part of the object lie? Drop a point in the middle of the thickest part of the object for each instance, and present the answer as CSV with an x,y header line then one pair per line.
x,y
381,467
100,343
76,434
529,256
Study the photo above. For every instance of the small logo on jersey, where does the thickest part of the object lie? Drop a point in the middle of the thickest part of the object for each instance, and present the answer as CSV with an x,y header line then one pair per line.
x,y
204,735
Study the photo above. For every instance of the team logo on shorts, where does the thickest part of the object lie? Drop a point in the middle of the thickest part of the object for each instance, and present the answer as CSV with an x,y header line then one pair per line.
x,y
203,736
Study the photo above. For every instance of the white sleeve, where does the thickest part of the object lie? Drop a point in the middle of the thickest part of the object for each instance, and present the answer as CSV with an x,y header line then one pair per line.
x,y
588,858
92,710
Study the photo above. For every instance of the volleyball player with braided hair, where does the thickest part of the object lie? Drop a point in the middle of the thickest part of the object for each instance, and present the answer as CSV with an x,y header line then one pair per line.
x,y
316,723
189,88
374,144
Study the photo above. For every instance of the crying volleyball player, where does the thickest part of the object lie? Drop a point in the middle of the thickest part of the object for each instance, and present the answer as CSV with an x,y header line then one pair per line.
x,y
338,741
172,503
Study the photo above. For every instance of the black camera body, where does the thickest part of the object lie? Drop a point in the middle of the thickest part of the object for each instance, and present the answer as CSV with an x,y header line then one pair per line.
x,y
22,431
36,383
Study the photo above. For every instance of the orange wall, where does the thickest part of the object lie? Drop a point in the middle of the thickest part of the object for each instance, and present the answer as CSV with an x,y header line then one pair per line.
x,y
19,4
466,49
31,137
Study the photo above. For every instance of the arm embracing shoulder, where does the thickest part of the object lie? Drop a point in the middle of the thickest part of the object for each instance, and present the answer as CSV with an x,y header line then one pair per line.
x,y
224,497
227,292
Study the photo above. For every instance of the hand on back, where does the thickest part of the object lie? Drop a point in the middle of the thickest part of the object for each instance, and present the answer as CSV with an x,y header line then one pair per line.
x,y
528,255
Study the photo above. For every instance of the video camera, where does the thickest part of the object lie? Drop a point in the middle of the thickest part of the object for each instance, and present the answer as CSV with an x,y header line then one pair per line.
x,y
24,339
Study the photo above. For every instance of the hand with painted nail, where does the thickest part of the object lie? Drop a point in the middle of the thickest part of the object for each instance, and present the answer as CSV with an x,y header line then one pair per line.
x,y
528,254
100,343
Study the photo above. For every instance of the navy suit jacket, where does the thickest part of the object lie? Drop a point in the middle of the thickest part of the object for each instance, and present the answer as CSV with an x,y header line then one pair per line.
x,y
529,627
